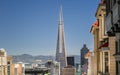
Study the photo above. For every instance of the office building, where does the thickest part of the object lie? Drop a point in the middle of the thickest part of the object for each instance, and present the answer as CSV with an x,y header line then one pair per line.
x,y
70,61
83,51
60,50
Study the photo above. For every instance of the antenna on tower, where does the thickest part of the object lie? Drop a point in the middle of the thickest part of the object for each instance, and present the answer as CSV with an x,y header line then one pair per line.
x,y
60,2
60,15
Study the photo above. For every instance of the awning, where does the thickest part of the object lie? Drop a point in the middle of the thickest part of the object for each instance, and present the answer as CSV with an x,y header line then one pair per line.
x,y
104,45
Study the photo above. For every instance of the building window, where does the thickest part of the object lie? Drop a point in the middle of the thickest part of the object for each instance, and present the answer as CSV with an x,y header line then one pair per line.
x,y
114,1
23,70
116,45
106,62
8,70
16,73
8,62
107,7
4,70
0,69
119,46
117,68
105,28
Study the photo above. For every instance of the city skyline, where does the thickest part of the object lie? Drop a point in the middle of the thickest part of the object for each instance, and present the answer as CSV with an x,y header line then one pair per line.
x,y
30,27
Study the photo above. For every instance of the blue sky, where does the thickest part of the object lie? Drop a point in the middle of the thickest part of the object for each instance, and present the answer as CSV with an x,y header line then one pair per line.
x,y
30,26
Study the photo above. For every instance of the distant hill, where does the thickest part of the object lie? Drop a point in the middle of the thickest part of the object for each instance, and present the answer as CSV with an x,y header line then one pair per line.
x,y
26,58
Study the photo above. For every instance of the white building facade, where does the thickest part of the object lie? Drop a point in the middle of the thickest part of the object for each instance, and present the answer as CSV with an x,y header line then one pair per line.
x,y
3,62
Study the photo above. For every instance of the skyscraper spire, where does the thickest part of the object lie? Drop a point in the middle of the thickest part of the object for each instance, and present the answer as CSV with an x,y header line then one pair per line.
x,y
60,16
60,50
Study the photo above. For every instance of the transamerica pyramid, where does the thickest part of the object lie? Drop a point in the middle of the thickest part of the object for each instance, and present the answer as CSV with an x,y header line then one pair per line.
x,y
60,50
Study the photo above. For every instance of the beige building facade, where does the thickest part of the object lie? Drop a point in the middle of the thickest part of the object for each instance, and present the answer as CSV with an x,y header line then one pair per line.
x,y
9,63
90,56
112,23
69,70
104,46
95,32
18,69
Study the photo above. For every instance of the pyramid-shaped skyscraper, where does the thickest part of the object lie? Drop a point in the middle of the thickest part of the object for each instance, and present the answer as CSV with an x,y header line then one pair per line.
x,y
60,50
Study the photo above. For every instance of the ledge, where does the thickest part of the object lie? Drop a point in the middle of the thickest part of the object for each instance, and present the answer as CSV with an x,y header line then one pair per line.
x,y
101,73
117,56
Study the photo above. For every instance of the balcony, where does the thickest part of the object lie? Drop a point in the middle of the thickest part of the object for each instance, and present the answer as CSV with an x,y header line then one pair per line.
x,y
104,47
101,73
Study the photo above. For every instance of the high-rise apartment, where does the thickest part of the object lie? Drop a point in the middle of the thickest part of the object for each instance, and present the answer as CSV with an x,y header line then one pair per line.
x,y
70,61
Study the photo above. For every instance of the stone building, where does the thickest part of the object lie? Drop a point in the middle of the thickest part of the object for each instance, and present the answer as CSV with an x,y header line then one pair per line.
x,y
112,23
95,32
69,70
90,56
104,46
